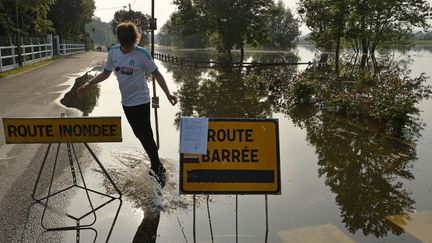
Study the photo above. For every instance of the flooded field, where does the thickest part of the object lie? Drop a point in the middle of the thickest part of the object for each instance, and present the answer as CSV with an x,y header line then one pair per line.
x,y
342,180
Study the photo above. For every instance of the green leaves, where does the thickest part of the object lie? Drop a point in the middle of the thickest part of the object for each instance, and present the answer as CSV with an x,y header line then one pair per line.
x,y
365,25
69,17
126,15
389,98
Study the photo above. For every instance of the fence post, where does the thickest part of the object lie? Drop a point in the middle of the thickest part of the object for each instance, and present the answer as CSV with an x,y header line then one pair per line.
x,y
64,47
22,51
57,45
13,52
32,49
49,46
1,61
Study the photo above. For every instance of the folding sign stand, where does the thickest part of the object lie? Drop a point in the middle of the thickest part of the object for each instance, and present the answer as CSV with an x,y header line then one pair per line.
x,y
73,160
68,131
236,222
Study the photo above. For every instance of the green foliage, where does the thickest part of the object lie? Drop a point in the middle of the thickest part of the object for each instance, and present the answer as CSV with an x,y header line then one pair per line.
x,y
100,32
185,27
70,16
389,98
234,22
126,15
366,25
32,17
163,37
284,28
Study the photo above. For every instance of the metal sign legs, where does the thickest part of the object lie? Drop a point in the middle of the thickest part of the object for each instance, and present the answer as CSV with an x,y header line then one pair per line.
x,y
236,219
75,167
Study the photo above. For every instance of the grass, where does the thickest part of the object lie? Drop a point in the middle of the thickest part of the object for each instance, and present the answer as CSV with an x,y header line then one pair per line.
x,y
27,68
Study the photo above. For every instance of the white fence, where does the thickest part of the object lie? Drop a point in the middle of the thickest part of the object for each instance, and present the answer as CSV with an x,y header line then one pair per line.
x,y
35,51
69,49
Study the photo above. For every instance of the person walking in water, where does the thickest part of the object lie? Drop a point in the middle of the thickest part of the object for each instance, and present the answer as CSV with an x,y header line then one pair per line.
x,y
129,62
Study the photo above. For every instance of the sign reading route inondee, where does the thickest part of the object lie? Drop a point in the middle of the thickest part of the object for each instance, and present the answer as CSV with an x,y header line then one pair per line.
x,y
62,130
242,158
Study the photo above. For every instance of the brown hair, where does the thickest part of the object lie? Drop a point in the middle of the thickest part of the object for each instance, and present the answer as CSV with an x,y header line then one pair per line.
x,y
128,34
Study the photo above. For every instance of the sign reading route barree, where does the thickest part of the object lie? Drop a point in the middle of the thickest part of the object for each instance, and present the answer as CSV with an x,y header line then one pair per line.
x,y
242,158
62,130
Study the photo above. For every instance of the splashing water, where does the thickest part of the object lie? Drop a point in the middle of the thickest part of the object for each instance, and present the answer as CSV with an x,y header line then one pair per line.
x,y
130,170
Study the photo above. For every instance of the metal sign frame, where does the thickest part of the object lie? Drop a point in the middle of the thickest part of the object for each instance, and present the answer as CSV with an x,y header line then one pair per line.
x,y
277,172
75,167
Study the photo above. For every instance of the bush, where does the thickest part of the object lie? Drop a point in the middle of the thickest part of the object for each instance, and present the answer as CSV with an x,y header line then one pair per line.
x,y
390,98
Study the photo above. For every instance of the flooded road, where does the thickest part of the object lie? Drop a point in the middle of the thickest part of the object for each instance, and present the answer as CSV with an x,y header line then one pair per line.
x,y
342,180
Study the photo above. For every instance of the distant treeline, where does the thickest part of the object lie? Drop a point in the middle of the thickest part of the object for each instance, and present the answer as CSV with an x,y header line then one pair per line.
x,y
420,35
101,33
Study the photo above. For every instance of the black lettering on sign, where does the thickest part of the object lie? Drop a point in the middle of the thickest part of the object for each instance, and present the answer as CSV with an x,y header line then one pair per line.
x,y
231,155
249,135
49,131
105,130
12,131
230,135
88,130
30,131
113,130
22,131
235,155
77,129
221,135
96,130
211,134
206,157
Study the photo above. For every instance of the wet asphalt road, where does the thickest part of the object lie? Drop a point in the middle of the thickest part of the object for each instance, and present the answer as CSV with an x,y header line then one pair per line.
x,y
32,94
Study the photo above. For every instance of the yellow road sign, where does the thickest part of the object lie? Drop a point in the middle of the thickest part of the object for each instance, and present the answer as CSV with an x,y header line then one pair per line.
x,y
61,130
242,158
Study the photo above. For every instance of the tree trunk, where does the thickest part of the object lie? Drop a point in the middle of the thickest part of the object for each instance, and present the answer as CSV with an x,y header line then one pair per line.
x,y
241,52
337,55
229,55
365,51
364,43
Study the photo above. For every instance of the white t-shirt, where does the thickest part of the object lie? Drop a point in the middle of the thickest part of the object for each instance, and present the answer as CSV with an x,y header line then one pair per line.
x,y
129,69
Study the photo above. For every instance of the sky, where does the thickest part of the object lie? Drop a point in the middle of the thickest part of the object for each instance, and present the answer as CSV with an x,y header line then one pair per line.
x,y
105,9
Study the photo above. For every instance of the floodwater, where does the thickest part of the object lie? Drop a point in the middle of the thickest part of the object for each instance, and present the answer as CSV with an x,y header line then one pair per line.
x,y
342,180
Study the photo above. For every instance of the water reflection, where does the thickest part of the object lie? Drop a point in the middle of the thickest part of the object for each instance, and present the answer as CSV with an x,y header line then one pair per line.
x,y
363,167
226,91
147,230
85,102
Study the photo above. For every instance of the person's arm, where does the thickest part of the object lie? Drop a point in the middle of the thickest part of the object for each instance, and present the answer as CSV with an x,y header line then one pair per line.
x,y
161,81
97,79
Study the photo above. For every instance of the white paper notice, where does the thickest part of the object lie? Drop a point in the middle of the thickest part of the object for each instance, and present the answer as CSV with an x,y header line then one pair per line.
x,y
193,135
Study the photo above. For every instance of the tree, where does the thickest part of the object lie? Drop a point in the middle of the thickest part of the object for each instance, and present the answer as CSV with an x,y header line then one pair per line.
x,y
32,17
126,15
284,28
386,24
366,24
232,23
70,16
164,38
100,32
327,20
185,26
